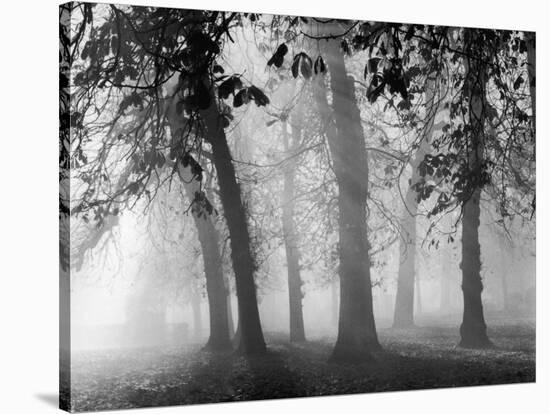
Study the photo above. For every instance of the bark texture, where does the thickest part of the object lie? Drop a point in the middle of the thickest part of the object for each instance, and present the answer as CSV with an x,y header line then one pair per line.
x,y
209,239
251,335
295,295
404,299
219,339
357,337
473,330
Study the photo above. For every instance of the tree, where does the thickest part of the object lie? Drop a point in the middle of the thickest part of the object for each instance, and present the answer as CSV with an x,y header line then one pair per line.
x,y
479,150
132,54
209,239
297,333
357,337
404,300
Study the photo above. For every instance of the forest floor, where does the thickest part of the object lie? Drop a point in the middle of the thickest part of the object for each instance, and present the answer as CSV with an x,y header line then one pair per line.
x,y
425,357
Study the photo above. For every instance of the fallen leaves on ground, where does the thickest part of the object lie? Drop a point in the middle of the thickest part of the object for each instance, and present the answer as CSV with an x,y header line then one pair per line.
x,y
412,359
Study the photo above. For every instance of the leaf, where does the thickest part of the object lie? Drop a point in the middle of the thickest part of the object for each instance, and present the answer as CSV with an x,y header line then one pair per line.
x,y
229,86
296,66
518,82
319,66
372,64
410,32
345,46
278,57
306,66
259,97
226,88
404,104
241,98
375,88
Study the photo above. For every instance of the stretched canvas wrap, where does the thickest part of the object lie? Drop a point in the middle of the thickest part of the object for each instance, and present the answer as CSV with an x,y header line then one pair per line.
x,y
263,206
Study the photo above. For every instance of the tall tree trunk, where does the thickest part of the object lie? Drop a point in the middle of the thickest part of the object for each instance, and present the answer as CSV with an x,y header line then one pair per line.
x,y
404,298
297,333
357,336
473,331
215,288
230,322
237,337
209,240
252,339
334,302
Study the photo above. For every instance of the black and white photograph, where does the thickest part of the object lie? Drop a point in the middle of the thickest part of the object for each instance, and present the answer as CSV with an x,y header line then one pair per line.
x,y
287,206
258,206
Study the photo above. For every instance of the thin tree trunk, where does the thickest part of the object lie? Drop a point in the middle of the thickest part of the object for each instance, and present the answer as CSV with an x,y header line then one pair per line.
x,y
357,336
404,298
473,331
334,301
237,337
231,324
252,339
219,327
209,240
297,333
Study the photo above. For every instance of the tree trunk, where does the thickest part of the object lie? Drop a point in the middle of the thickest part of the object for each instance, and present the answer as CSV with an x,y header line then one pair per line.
x,y
237,337
252,339
404,299
219,324
230,322
357,336
334,302
209,240
473,331
297,333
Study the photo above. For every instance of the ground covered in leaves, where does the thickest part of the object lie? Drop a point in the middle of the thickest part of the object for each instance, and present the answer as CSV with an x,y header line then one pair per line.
x,y
425,357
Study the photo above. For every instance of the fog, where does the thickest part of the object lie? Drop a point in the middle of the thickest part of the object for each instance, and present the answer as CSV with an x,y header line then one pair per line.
x,y
245,184
113,283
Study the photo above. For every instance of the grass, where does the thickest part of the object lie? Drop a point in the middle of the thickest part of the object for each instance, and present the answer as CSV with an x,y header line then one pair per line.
x,y
413,359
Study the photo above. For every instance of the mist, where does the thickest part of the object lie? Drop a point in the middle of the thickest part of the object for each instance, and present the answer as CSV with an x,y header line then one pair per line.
x,y
281,196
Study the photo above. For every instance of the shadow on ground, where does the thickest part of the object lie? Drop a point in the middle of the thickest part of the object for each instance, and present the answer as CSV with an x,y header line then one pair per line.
x,y
421,358
49,399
